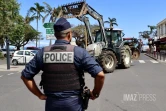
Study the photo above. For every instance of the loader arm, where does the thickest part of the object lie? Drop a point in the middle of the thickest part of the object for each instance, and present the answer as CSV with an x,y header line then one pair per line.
x,y
79,10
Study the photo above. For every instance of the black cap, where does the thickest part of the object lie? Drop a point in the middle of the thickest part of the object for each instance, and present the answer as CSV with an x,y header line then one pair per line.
x,y
62,26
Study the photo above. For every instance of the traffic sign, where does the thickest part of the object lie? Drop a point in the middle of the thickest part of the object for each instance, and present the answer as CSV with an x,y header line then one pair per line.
x,y
50,36
48,25
49,31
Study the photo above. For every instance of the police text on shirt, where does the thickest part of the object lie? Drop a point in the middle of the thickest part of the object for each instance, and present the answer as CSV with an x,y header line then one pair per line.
x,y
58,57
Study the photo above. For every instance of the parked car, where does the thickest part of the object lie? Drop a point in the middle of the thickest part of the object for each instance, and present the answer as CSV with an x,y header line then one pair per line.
x,y
23,56
144,48
3,51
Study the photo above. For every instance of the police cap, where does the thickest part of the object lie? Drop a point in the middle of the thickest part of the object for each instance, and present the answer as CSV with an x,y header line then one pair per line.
x,y
62,26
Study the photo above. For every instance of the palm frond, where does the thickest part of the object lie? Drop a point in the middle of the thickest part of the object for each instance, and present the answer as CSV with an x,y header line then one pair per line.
x,y
48,7
106,22
33,9
115,24
44,18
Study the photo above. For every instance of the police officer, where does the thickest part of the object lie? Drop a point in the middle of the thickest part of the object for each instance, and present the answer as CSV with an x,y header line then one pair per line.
x,y
62,78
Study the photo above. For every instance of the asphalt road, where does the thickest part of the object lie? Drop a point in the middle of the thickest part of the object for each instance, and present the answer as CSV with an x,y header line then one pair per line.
x,y
139,88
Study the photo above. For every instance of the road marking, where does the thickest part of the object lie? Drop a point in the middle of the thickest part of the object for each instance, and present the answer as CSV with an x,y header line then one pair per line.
x,y
141,61
131,61
153,61
10,73
1,75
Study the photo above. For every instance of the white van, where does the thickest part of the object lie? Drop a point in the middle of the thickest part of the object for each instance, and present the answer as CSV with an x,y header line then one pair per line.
x,y
23,56
145,48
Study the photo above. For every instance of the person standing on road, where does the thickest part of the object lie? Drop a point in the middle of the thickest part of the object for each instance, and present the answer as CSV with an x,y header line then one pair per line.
x,y
63,67
154,50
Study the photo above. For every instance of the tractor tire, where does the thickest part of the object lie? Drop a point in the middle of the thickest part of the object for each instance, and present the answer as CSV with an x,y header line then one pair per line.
x,y
108,61
135,54
125,57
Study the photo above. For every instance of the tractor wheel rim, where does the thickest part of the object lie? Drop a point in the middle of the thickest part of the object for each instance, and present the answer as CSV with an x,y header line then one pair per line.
x,y
109,62
127,57
135,55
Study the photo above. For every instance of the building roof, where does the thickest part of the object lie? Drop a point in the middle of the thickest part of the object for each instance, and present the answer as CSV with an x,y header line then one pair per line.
x,y
163,21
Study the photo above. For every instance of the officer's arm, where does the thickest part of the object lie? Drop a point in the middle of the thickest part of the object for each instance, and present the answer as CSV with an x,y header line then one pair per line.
x,y
31,85
98,84
31,69
93,68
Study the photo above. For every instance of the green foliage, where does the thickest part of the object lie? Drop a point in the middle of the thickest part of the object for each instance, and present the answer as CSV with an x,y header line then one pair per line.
x,y
37,11
9,10
1,55
52,12
112,22
146,34
22,33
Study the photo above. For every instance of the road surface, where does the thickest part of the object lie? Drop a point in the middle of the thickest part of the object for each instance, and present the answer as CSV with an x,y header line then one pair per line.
x,y
139,88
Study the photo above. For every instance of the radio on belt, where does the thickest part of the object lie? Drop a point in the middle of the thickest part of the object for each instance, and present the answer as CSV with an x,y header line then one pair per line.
x,y
58,57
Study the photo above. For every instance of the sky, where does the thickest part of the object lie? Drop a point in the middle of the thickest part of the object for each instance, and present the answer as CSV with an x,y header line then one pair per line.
x,y
132,16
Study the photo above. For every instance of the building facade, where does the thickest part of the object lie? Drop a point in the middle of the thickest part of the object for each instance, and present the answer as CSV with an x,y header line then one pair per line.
x,y
161,29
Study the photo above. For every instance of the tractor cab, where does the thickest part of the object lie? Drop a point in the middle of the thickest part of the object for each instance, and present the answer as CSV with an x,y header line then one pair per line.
x,y
114,37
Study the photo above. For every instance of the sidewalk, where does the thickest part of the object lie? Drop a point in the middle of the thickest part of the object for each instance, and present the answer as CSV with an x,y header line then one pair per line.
x,y
161,57
18,68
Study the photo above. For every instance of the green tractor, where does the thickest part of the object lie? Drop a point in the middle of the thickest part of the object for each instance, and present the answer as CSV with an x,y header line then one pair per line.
x,y
115,54
135,46
107,47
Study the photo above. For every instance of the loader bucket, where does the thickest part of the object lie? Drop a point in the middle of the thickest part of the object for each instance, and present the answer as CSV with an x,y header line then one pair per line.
x,y
73,10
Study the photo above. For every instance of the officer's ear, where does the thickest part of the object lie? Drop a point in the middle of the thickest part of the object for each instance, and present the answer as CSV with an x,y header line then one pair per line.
x,y
69,35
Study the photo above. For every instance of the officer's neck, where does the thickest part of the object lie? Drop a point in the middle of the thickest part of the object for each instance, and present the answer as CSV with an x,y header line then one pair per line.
x,y
65,39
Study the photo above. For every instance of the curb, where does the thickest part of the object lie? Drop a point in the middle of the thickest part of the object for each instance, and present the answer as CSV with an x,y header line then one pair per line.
x,y
152,57
155,58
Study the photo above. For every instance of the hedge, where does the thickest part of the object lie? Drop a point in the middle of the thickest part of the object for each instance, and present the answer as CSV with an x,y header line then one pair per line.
x,y
162,47
1,55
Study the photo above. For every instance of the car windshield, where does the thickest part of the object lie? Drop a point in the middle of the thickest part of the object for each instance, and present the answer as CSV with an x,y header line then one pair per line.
x,y
34,51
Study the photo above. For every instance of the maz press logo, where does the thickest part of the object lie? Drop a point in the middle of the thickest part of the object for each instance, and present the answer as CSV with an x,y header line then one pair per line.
x,y
139,97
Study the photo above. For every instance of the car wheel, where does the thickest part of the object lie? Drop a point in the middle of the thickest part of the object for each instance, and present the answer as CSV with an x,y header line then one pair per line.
x,y
15,62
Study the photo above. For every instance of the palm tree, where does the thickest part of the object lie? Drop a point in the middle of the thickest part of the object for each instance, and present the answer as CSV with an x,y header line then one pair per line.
x,y
112,22
28,19
152,28
37,14
52,12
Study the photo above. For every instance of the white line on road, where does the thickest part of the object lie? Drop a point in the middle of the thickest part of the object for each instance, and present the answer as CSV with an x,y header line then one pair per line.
x,y
153,61
10,73
1,75
141,61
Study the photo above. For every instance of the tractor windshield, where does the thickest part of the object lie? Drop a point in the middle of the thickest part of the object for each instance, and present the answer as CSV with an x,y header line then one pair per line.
x,y
112,36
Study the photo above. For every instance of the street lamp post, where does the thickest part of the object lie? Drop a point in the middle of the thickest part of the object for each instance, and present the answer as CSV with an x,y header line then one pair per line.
x,y
8,55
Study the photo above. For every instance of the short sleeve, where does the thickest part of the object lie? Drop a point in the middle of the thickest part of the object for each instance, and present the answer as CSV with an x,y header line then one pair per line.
x,y
34,66
90,65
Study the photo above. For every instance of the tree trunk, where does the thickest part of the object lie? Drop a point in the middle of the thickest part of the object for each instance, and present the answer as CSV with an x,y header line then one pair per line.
x,y
18,47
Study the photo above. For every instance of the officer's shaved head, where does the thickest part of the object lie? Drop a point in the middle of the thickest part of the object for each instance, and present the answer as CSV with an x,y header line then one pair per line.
x,y
62,28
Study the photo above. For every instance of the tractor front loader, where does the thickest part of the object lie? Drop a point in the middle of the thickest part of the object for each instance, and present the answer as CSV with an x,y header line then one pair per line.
x,y
102,49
